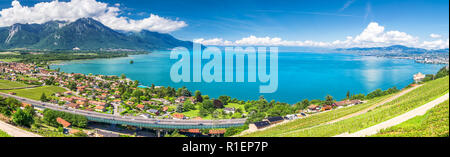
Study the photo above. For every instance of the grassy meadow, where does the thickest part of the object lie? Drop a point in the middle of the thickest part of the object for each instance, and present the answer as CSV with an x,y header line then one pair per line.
x,y
35,93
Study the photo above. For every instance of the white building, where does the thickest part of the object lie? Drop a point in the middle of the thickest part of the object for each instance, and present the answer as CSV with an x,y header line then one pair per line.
x,y
418,77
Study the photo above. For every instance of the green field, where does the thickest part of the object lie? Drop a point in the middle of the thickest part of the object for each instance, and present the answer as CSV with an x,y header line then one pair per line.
x,y
3,134
5,84
35,93
434,123
192,113
405,103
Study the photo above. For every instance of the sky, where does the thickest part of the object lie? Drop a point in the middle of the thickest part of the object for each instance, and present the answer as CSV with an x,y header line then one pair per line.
x,y
302,23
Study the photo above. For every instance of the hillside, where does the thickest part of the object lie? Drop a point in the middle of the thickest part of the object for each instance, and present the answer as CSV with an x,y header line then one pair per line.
x,y
85,34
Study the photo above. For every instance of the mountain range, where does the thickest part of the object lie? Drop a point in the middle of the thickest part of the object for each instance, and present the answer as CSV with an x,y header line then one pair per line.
x,y
83,34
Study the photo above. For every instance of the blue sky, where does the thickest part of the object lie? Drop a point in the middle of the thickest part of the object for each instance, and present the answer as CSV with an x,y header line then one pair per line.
x,y
290,20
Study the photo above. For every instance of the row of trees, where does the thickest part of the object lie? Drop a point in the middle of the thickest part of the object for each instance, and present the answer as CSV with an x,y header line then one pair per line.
x,y
441,73
50,117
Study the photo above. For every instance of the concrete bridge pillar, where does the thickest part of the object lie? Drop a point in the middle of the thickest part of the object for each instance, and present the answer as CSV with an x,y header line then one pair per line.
x,y
161,132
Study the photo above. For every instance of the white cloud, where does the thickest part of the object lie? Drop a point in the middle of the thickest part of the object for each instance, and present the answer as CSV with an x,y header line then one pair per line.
x,y
435,35
373,35
436,44
70,11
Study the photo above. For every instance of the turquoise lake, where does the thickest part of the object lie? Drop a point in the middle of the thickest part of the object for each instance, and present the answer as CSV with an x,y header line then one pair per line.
x,y
300,75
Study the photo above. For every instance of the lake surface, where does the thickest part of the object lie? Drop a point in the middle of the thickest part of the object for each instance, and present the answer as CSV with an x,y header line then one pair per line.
x,y
301,75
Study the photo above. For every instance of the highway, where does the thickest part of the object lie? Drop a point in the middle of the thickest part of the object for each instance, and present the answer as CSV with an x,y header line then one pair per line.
x,y
135,121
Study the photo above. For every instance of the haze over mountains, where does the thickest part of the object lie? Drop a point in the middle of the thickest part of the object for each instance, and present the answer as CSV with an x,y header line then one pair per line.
x,y
85,34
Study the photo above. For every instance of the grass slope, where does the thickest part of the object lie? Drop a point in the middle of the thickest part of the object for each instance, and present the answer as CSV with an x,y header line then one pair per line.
x,y
403,104
315,119
4,134
35,93
434,123
6,84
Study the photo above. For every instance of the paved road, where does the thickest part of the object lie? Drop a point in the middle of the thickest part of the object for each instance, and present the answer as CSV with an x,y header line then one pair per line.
x,y
397,120
130,119
360,112
15,132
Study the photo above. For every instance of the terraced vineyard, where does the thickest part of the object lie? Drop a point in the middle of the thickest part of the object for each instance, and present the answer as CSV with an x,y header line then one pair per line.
x,y
435,123
405,103
315,119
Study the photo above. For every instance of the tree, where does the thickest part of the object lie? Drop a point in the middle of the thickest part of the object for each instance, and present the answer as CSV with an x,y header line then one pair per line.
x,y
329,100
183,91
122,76
348,94
72,86
442,73
198,96
179,108
209,106
237,115
261,97
216,114
303,104
358,97
218,103
81,134
202,111
188,106
43,97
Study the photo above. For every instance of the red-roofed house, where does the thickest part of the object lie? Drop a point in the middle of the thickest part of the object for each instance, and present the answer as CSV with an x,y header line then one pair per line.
x,y
140,106
80,99
97,103
100,108
178,116
217,132
66,99
72,105
25,105
165,108
63,122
